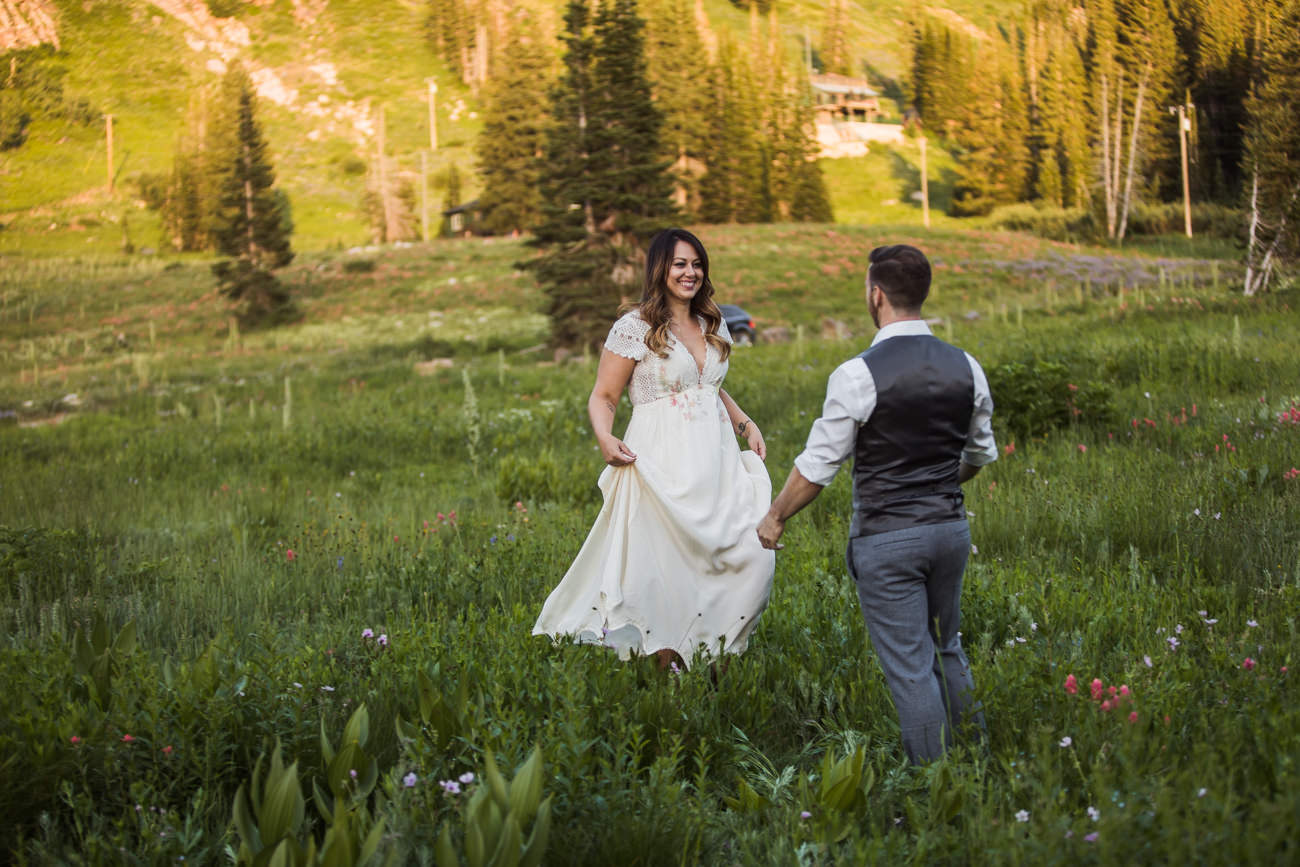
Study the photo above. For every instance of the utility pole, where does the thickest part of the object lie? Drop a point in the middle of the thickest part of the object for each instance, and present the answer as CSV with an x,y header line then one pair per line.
x,y
384,199
433,114
925,188
1184,126
424,195
108,134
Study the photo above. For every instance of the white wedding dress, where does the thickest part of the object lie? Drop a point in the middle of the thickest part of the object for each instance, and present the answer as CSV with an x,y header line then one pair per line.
x,y
673,560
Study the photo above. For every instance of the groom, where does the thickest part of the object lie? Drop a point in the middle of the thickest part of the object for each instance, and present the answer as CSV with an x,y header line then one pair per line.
x,y
914,412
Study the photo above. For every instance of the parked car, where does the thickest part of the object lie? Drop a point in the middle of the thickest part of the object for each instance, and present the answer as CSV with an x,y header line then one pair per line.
x,y
740,324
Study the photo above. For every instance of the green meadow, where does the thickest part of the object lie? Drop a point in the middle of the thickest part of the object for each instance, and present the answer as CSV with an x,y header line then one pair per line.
x,y
267,596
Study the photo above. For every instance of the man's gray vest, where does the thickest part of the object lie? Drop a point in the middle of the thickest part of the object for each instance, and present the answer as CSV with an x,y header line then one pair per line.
x,y
907,455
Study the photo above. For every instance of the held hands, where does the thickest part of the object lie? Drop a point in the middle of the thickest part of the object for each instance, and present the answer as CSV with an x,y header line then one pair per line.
x,y
615,451
770,530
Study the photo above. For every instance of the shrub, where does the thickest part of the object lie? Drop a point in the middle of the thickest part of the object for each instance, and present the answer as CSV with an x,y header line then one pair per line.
x,y
1034,396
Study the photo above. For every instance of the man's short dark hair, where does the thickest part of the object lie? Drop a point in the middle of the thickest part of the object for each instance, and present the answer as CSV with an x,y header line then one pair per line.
x,y
903,274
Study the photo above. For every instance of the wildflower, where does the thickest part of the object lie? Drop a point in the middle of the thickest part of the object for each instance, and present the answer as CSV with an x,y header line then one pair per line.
x,y
1094,814
1112,691
1173,642
466,778
352,772
1082,447
1071,386
297,685
1022,816
1124,691
805,815
1252,623
395,539
339,563
451,787
1133,717
492,540
1033,627
1065,742
1210,621
167,750
327,688
1248,663
1196,512
1096,687
74,740
1091,838
1107,705
1147,660
1071,685
383,640
367,633
409,780
289,555
1200,793
1179,629
1009,448
127,739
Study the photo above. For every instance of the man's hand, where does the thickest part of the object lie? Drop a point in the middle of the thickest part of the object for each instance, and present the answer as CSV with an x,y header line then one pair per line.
x,y
797,493
770,530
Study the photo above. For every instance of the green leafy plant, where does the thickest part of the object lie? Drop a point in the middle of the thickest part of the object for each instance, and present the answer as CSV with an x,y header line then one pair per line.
x,y
496,818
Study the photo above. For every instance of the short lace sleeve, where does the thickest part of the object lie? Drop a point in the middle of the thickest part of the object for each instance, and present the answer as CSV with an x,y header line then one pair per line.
x,y
724,332
627,337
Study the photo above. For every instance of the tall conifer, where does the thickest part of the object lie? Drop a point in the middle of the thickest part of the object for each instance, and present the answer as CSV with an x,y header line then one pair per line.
x,y
514,124
604,183
251,225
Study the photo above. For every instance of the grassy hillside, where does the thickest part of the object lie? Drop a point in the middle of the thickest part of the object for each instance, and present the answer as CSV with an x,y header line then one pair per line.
x,y
133,60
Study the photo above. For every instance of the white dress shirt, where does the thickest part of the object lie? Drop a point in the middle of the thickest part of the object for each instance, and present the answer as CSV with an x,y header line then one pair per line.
x,y
851,399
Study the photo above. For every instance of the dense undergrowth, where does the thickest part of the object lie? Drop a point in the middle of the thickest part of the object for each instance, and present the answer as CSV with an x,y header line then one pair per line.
x,y
204,563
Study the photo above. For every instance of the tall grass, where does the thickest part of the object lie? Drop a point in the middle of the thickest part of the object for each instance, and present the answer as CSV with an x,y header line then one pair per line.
x,y
1152,548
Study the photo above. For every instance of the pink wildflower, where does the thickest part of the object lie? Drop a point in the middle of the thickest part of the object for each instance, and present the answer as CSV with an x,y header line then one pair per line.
x,y
1071,685
1133,717
76,740
1248,663
127,739
1107,705
167,750
289,555
1096,689
1082,447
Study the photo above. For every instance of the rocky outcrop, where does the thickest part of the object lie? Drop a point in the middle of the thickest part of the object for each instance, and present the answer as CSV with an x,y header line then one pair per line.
x,y
27,23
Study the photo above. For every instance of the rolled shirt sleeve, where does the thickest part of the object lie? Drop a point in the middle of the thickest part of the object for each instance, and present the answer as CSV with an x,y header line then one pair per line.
x,y
980,447
850,400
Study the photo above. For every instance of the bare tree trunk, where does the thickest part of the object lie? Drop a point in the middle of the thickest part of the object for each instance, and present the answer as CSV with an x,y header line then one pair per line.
x,y
1107,189
1258,277
1132,151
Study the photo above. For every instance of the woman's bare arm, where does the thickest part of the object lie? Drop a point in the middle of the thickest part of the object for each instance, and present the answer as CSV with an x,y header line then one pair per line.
x,y
612,376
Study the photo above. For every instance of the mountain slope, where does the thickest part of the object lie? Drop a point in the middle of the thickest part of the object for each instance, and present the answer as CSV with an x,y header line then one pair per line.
x,y
324,68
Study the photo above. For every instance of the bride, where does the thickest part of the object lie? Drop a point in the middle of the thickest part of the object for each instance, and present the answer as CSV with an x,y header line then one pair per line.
x,y
673,565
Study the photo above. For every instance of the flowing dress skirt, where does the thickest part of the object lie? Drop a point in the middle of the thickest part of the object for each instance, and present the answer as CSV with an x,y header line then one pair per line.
x,y
673,560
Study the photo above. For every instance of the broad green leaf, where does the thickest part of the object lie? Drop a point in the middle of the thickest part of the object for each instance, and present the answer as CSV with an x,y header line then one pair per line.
x,y
474,847
358,728
371,844
496,783
324,803
326,748
526,788
508,847
125,642
446,850
535,849
244,821
282,811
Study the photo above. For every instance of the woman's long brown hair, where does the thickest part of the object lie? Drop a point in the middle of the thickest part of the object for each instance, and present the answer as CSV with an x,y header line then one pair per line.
x,y
654,309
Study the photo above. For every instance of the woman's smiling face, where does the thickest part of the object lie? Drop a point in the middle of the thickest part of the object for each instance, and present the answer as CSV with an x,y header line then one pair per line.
x,y
685,273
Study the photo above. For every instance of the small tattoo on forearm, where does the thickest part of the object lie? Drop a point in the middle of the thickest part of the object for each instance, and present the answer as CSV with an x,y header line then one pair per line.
x,y
740,428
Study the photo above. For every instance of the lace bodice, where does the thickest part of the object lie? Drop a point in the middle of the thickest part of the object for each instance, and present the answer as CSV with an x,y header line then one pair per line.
x,y
656,377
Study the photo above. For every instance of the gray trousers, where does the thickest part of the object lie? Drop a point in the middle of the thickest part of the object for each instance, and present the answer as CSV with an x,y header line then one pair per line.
x,y
909,586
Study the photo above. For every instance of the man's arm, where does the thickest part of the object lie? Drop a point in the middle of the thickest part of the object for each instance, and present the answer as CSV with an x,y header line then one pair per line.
x,y
797,493
966,472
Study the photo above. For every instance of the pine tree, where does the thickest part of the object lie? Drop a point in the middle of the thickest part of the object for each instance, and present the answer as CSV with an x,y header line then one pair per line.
x,y
604,184
734,186
514,123
1273,152
251,225
674,52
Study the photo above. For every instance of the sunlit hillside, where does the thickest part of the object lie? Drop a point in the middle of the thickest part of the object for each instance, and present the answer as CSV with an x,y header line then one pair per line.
x,y
325,69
